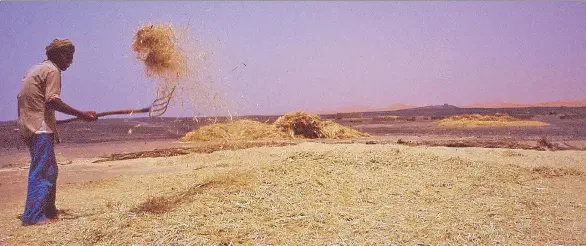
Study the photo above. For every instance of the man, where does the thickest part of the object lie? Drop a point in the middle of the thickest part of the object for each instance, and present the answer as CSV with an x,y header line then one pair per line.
x,y
38,99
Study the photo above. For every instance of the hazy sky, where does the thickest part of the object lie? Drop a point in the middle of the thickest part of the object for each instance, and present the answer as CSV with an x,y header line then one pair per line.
x,y
311,56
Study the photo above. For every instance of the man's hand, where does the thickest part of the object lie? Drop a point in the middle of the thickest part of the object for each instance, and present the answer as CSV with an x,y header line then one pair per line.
x,y
89,115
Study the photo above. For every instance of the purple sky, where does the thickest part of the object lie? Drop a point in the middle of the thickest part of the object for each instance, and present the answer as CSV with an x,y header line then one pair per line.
x,y
311,56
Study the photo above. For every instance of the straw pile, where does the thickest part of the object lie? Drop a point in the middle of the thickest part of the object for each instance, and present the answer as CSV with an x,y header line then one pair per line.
x,y
477,120
336,131
237,130
301,124
290,125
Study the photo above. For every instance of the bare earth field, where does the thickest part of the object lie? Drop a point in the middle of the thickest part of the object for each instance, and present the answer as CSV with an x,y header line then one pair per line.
x,y
402,186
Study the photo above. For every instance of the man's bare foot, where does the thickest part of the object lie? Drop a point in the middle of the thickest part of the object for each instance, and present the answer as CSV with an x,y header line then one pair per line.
x,y
48,221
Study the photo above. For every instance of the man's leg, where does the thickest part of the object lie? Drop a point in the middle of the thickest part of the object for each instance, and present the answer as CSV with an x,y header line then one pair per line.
x,y
51,211
40,200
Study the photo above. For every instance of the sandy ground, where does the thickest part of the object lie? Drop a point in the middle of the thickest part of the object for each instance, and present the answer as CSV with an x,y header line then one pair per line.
x,y
78,173
75,160
76,167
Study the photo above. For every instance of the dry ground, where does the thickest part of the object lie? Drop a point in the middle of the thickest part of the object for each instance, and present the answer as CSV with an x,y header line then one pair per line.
x,y
317,194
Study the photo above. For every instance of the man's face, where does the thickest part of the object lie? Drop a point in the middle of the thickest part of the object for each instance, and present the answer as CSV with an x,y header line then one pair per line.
x,y
65,61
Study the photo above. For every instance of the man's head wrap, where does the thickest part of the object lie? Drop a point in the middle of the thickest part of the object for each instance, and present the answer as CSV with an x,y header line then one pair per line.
x,y
59,46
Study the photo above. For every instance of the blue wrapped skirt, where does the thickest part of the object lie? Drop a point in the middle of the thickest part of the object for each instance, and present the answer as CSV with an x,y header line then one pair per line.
x,y
42,178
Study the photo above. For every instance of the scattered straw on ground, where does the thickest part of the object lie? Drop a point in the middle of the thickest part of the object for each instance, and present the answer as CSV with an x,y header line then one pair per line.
x,y
301,124
477,120
542,144
205,148
237,130
551,172
319,194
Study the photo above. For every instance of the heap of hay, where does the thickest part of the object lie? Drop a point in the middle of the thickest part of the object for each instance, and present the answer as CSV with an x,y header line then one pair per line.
x,y
301,124
477,120
336,131
290,125
158,48
237,130
478,117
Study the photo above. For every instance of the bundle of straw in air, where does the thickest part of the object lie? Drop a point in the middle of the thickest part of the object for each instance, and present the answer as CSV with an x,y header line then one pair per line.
x,y
157,46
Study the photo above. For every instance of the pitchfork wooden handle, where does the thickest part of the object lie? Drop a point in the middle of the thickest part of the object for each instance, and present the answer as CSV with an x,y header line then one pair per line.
x,y
125,111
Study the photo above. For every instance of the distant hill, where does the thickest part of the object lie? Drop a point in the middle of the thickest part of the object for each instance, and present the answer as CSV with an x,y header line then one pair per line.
x,y
393,107
571,103
365,108
444,106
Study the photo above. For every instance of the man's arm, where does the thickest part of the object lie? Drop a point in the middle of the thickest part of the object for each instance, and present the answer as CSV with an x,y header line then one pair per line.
x,y
59,105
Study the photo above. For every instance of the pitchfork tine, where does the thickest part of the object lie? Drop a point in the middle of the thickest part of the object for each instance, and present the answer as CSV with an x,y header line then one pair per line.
x,y
160,105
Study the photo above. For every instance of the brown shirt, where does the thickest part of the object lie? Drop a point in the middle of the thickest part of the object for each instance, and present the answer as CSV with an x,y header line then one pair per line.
x,y
41,83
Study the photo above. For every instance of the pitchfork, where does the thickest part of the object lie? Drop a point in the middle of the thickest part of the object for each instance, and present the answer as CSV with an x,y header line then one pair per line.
x,y
157,108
